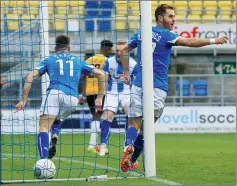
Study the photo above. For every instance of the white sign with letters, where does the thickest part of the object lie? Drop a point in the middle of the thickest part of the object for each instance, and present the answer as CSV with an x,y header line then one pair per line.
x,y
197,119
207,31
173,120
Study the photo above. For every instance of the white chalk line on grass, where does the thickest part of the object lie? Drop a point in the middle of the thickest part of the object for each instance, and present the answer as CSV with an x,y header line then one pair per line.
x,y
156,179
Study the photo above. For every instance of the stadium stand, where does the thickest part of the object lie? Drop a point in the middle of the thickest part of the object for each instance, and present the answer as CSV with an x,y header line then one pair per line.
x,y
120,24
193,18
13,22
134,6
210,7
77,7
225,7
121,8
181,7
185,87
208,19
189,11
195,7
200,87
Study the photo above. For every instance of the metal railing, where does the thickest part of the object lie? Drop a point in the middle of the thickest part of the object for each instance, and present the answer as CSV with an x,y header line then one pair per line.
x,y
221,90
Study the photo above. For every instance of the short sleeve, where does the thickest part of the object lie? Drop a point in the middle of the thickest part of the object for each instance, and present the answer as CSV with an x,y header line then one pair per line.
x,y
171,37
89,60
106,67
133,41
86,68
42,67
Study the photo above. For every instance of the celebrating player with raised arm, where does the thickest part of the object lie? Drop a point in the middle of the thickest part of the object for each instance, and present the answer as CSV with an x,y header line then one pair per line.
x,y
163,39
64,72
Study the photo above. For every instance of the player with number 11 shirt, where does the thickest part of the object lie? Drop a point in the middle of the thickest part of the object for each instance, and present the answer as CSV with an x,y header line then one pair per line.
x,y
61,99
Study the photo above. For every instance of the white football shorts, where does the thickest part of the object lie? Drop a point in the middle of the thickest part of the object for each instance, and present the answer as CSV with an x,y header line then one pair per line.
x,y
58,103
114,101
136,103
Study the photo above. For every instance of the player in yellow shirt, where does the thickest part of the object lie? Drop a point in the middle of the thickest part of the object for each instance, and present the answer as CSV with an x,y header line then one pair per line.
x,y
91,91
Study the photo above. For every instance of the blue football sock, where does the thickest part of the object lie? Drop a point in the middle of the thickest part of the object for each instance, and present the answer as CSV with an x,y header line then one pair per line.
x,y
131,135
105,131
138,147
126,128
56,128
126,125
43,144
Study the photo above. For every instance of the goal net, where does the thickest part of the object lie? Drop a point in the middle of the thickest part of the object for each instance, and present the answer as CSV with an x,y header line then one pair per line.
x,y
23,45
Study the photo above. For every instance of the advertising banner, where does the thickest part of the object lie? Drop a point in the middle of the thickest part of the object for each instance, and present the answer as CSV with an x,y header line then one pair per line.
x,y
27,121
208,31
173,120
197,119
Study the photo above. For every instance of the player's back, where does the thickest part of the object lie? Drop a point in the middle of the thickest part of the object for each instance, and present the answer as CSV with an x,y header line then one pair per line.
x,y
92,86
64,72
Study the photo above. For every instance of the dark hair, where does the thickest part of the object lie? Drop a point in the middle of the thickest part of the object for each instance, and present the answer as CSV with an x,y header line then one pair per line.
x,y
106,43
62,41
161,9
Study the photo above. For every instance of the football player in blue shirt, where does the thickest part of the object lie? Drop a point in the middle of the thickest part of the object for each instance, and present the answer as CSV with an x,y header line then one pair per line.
x,y
163,39
64,72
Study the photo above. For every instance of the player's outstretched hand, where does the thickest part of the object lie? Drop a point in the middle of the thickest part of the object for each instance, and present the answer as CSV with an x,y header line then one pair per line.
x,y
98,103
20,106
221,40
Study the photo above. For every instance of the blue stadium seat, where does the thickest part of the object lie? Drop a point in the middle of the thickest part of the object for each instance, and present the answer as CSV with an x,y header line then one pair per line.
x,y
200,87
92,4
106,4
90,26
92,8
186,88
106,13
106,8
104,25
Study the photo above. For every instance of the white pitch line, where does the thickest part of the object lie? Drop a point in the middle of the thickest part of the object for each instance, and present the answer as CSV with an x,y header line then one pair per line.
x,y
156,179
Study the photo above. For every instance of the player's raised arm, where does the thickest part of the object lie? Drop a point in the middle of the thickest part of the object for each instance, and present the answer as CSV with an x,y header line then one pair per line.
x,y
194,42
28,82
81,88
101,79
124,53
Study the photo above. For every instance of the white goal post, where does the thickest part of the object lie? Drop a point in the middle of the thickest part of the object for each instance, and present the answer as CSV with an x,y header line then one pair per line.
x,y
44,32
147,83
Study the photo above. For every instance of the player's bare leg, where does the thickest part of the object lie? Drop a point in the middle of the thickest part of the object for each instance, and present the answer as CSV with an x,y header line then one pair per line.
x,y
95,128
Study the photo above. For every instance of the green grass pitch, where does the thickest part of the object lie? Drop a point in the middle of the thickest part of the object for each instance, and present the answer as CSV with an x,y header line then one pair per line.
x,y
180,158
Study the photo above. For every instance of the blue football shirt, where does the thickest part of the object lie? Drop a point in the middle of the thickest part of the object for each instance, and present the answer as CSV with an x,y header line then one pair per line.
x,y
162,42
64,72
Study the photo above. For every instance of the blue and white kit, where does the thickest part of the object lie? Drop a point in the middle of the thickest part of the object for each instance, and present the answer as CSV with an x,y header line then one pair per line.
x,y
64,72
162,40
118,93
